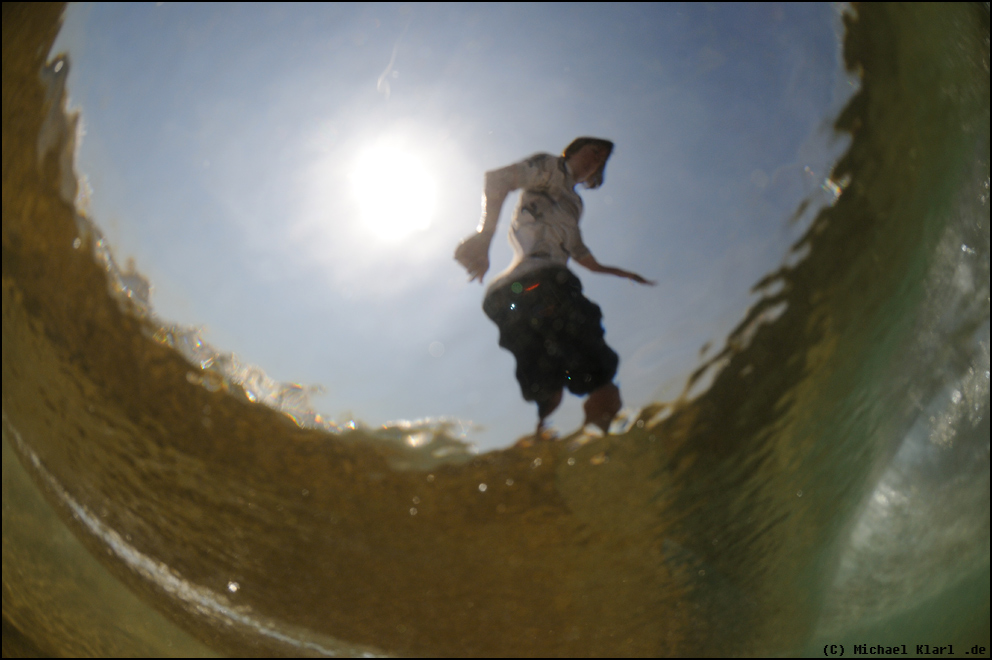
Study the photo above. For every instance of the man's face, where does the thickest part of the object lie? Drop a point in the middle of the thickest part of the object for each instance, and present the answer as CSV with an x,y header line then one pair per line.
x,y
586,161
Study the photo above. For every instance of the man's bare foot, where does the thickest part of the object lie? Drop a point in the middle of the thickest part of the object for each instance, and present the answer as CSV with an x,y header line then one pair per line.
x,y
544,410
602,406
544,435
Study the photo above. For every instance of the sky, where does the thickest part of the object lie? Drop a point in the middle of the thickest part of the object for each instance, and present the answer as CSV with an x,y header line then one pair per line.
x,y
294,178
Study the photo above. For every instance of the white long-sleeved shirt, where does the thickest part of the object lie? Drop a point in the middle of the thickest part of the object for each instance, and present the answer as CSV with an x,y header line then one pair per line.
x,y
544,230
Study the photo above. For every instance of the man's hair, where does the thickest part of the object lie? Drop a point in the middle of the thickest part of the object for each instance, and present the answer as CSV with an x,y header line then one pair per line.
x,y
596,180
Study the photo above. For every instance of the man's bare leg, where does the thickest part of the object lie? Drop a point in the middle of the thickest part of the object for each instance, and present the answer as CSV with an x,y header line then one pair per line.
x,y
545,409
602,406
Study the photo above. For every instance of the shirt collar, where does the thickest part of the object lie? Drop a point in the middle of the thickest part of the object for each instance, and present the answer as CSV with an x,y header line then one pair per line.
x,y
569,175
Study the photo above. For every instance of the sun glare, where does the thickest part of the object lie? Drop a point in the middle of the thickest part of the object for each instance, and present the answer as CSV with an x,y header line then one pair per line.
x,y
394,191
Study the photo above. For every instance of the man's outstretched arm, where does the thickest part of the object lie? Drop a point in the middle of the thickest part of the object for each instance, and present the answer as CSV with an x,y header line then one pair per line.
x,y
473,252
590,262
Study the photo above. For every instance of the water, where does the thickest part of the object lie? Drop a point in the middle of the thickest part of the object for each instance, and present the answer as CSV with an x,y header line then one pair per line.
x,y
828,483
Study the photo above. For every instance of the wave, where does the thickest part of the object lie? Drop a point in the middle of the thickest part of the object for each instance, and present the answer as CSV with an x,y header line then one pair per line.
x,y
845,420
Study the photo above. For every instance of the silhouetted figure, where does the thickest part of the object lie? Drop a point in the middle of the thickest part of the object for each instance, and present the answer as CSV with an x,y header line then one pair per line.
x,y
555,333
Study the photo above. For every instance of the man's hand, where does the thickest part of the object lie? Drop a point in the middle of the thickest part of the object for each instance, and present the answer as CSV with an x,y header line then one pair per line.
x,y
473,255
634,276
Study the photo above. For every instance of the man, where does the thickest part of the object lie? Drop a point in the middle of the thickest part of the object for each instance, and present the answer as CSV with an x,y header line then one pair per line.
x,y
555,333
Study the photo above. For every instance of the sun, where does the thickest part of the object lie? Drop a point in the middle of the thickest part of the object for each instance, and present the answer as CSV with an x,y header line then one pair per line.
x,y
394,191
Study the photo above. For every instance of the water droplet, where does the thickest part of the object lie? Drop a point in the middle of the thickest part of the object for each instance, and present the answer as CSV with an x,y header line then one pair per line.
x,y
78,243
416,500
436,349
956,396
482,488
413,511
233,587
509,482
831,187
430,477
571,461
305,492
799,493
536,463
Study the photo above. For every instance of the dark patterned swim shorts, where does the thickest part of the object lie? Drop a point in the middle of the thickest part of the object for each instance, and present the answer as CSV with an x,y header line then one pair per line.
x,y
555,333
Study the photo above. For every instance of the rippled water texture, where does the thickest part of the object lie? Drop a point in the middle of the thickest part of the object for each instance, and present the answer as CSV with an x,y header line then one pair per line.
x,y
833,478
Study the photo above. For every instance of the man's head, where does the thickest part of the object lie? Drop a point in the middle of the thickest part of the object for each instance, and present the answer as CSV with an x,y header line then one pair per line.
x,y
587,158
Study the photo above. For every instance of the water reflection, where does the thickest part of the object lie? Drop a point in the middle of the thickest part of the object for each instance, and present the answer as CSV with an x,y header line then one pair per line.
x,y
744,520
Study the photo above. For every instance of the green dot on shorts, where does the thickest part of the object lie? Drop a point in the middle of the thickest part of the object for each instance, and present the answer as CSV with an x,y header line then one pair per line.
x,y
516,287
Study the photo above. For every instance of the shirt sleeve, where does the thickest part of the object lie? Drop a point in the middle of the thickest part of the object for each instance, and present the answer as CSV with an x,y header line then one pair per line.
x,y
534,173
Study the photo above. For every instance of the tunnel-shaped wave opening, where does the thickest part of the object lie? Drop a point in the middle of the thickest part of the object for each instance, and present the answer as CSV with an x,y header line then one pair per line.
x,y
845,418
